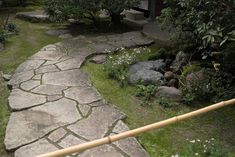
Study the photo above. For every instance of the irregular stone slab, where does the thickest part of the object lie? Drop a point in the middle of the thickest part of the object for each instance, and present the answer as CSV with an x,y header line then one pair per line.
x,y
37,77
58,134
66,36
83,51
138,38
27,126
46,69
103,47
48,55
85,109
130,145
19,99
69,141
57,32
29,65
67,78
84,95
37,148
99,59
170,93
28,85
49,89
54,97
73,63
35,16
98,122
102,151
17,78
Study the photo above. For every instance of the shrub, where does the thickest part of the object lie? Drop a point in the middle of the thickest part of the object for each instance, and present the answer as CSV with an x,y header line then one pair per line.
x,y
187,70
11,27
162,53
204,26
146,93
117,65
165,103
3,36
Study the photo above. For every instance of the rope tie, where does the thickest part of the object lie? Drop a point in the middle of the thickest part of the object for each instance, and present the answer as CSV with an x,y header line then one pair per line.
x,y
109,140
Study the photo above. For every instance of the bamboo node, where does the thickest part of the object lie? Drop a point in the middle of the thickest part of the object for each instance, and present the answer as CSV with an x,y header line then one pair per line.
x,y
109,140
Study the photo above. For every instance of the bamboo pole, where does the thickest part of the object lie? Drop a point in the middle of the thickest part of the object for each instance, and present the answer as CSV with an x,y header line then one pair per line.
x,y
131,133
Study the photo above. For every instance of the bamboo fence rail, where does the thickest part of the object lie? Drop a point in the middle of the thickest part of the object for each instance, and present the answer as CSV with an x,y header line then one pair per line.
x,y
131,133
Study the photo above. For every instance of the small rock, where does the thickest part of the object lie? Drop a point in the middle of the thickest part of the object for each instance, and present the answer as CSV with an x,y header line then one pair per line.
x,y
100,59
6,77
1,47
173,83
170,93
194,76
65,36
169,75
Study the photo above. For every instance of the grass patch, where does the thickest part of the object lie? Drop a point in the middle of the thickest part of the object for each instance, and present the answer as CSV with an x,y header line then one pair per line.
x,y
172,139
18,48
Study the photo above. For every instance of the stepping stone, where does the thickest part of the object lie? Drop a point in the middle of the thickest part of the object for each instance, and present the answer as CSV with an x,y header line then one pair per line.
x,y
46,69
37,77
67,78
35,16
51,98
85,109
73,63
69,141
49,89
37,148
81,52
28,85
19,100
57,135
29,65
98,122
102,151
83,95
99,59
18,78
57,32
103,47
27,126
130,145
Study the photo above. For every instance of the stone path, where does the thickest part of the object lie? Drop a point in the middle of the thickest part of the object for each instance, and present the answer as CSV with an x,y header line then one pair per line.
x,y
54,104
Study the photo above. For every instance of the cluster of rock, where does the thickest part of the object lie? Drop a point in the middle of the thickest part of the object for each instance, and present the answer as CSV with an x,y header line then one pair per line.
x,y
154,72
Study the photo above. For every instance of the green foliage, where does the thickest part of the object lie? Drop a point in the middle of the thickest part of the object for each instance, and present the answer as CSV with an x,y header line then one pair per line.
x,y
146,93
203,26
215,86
62,10
162,53
205,148
11,27
3,35
117,65
187,70
165,103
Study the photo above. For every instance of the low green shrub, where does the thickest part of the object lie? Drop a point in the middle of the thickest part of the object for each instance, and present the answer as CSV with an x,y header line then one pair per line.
x,y
3,35
165,103
162,53
117,65
146,93
11,27
205,148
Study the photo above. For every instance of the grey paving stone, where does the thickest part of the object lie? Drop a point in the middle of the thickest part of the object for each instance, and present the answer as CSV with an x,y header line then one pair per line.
x,y
54,97
102,151
48,55
28,85
84,109
18,78
58,134
99,59
81,51
98,123
29,65
120,127
49,89
83,95
73,63
37,148
67,78
37,77
27,126
46,69
69,141
19,99
103,47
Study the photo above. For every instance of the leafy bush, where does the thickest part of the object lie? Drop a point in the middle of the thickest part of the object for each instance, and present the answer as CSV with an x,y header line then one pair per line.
x,y
146,93
3,35
162,53
117,65
203,26
205,148
11,27
164,102
215,86
187,70
62,10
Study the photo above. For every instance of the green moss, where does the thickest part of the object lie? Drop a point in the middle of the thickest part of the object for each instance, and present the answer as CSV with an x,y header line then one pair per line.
x,y
169,140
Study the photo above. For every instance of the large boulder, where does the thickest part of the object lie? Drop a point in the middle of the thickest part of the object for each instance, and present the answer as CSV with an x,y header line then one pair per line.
x,y
146,72
180,61
170,93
